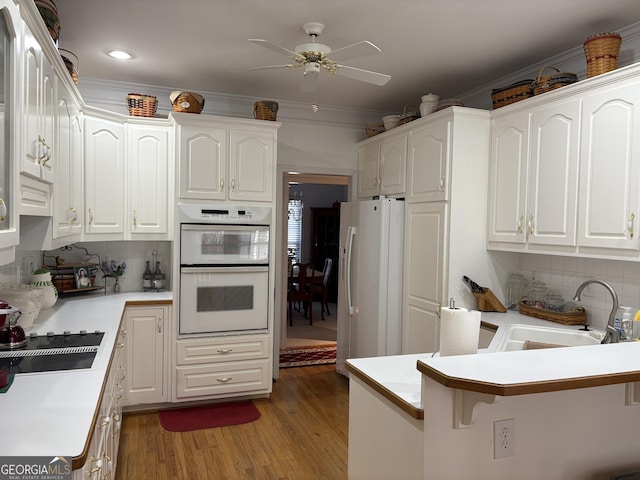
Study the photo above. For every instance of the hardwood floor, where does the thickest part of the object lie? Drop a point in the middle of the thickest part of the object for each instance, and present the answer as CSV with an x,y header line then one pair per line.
x,y
301,435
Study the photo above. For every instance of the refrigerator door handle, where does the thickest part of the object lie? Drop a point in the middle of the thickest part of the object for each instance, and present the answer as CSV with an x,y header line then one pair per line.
x,y
351,233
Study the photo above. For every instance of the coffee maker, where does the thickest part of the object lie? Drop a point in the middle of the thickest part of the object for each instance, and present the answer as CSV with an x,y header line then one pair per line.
x,y
11,334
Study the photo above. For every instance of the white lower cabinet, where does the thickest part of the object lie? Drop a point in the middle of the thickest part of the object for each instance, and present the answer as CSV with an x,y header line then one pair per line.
x,y
102,457
222,367
145,355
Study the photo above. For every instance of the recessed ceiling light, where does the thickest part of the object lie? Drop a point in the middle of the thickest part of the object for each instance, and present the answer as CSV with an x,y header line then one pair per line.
x,y
119,54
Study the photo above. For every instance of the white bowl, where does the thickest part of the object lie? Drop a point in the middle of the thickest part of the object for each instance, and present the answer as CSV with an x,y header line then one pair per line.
x,y
390,121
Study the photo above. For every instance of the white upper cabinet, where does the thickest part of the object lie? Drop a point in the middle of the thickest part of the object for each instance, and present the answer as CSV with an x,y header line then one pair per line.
x,y
67,208
508,169
224,158
581,156
382,164
10,106
38,140
104,180
551,214
148,163
610,169
429,162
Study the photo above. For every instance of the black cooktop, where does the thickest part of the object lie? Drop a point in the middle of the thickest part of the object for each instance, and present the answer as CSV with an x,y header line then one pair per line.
x,y
50,353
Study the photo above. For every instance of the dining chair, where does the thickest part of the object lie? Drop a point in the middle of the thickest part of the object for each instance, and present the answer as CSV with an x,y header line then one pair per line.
x,y
321,290
300,291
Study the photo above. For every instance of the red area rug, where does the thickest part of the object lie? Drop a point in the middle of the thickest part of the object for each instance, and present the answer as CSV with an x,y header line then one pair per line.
x,y
208,416
304,356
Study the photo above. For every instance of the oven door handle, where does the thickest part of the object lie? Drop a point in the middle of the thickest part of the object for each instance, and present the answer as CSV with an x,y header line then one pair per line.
x,y
238,269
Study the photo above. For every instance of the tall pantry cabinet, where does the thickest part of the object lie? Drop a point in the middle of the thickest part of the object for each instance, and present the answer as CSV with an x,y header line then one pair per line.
x,y
445,224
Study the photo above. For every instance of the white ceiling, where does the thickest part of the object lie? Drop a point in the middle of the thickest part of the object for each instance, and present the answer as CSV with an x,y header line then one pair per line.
x,y
446,47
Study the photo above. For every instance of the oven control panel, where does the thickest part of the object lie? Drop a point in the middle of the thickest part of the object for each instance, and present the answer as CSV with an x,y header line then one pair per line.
x,y
224,213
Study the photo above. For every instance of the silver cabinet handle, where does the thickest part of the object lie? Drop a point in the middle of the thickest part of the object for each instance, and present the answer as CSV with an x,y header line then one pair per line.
x,y
233,184
90,217
520,220
3,210
135,219
224,379
221,184
630,224
225,350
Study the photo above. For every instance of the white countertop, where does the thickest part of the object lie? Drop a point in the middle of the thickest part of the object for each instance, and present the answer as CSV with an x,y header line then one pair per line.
x,y
399,374
50,413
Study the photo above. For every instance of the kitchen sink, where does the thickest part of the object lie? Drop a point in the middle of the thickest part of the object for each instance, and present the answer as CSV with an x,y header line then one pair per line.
x,y
520,337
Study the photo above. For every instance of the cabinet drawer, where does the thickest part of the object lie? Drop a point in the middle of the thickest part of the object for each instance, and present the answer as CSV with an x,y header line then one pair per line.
x,y
221,349
222,379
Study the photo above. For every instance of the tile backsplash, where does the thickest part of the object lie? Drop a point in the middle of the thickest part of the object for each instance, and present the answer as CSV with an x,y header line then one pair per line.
x,y
134,254
565,274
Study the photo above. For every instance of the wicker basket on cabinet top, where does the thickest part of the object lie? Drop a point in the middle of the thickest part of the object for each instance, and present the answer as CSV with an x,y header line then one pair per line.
x,y
512,93
602,52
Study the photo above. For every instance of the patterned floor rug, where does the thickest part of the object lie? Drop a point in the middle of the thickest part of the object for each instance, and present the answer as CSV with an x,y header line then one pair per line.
x,y
303,356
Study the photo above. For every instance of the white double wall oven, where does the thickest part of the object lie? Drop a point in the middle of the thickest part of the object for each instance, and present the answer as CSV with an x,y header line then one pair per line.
x,y
224,269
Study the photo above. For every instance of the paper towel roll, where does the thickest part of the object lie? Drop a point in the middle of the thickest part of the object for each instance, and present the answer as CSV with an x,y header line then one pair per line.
x,y
459,331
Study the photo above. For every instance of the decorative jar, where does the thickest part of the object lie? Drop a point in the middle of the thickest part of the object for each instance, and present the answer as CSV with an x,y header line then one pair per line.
x,y
49,292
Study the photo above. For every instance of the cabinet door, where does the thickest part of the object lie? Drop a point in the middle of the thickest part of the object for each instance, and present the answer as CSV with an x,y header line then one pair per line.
x,y
393,166
428,160
368,173
508,178
31,136
425,275
610,169
251,166
203,154
49,111
145,380
553,175
68,189
104,176
148,157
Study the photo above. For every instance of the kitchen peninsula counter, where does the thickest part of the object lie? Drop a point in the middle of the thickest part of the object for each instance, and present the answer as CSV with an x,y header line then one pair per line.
x,y
52,413
398,378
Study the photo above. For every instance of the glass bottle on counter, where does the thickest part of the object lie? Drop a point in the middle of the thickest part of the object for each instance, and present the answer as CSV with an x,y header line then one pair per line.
x,y
146,277
516,290
159,278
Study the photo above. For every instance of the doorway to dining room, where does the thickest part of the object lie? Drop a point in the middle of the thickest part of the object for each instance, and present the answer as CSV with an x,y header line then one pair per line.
x,y
312,229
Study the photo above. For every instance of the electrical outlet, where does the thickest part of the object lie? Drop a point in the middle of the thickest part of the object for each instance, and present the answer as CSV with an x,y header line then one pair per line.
x,y
504,438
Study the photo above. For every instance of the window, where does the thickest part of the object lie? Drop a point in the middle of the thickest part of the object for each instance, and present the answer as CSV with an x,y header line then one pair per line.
x,y
294,232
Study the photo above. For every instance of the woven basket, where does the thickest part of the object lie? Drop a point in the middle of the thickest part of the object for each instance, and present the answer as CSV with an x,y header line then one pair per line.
x,y
70,64
49,13
512,93
141,105
186,102
602,52
409,115
546,83
579,317
265,110
372,129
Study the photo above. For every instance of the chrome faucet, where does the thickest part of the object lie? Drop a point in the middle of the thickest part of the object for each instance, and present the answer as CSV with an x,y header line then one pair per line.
x,y
612,335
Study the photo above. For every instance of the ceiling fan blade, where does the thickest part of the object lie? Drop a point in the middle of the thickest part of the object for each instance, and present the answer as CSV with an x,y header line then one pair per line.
x,y
356,50
310,82
362,75
267,67
277,48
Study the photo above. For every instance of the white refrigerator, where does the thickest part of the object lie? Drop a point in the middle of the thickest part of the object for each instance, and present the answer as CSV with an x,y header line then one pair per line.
x,y
370,280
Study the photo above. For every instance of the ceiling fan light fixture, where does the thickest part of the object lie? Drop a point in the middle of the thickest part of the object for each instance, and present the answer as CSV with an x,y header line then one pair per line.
x,y
312,67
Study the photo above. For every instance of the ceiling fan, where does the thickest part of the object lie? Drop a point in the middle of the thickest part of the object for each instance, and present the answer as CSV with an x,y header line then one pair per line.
x,y
314,56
